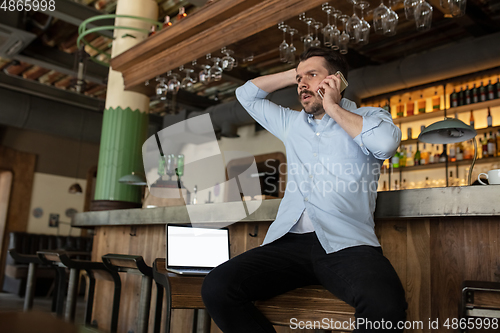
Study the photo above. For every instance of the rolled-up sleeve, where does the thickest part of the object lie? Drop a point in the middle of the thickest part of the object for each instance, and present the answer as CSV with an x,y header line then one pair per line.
x,y
379,135
269,115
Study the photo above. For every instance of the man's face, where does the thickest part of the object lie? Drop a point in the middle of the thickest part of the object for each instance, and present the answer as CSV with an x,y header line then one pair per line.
x,y
310,73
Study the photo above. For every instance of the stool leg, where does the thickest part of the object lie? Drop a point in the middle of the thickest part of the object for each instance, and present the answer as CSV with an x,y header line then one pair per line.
x,y
159,306
61,272
116,302
204,321
144,305
195,321
30,287
90,297
69,313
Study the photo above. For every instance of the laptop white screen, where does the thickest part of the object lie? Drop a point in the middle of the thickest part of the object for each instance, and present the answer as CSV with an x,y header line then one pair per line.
x,y
196,247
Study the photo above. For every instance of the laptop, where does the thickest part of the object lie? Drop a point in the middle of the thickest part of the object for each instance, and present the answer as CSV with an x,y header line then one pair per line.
x,y
194,250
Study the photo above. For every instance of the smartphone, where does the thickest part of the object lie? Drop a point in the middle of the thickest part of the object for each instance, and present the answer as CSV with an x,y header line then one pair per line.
x,y
343,84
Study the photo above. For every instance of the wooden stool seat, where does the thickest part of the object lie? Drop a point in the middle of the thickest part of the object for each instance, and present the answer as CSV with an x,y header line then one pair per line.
x,y
311,303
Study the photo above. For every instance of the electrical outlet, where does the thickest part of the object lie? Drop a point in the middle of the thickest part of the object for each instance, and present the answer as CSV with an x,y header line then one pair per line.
x,y
53,220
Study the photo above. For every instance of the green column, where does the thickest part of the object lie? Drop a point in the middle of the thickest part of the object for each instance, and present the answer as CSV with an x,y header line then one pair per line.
x,y
125,121
123,133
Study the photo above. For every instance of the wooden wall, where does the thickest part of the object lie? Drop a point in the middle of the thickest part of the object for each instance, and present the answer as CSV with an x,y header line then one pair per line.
x,y
22,165
431,256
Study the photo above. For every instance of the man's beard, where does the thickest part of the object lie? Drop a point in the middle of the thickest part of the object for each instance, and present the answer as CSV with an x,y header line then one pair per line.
x,y
315,108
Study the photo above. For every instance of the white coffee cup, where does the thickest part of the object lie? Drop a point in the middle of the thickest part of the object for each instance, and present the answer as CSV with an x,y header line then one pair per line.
x,y
493,177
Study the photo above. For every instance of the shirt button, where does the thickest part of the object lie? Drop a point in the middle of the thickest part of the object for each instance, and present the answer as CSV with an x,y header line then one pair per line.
x,y
306,199
315,154
361,145
295,220
310,176
317,133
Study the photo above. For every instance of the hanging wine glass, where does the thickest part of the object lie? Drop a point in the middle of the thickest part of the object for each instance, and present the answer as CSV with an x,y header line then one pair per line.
x,y
410,6
391,22
161,88
380,15
173,84
453,8
203,75
284,45
327,30
423,16
308,38
291,48
365,26
344,37
316,42
227,62
215,71
188,82
335,34
354,24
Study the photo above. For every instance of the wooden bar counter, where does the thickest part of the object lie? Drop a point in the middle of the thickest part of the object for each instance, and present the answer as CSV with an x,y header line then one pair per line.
x,y
435,238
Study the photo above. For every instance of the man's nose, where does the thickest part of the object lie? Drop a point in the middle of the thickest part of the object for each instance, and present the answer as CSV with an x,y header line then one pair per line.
x,y
303,84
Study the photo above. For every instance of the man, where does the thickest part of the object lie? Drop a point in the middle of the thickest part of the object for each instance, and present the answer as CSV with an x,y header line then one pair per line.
x,y
324,229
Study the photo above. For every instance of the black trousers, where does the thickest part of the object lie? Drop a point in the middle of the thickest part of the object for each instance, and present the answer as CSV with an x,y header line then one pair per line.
x,y
361,276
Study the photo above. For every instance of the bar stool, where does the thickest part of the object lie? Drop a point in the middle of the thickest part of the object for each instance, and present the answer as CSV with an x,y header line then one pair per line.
x,y
94,269
182,292
480,299
53,257
33,261
132,264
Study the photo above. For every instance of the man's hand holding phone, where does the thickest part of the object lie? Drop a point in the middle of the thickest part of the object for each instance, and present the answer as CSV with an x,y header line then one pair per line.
x,y
335,82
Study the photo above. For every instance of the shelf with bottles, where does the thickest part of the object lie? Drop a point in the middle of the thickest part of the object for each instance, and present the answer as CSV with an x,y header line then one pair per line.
x,y
480,131
448,97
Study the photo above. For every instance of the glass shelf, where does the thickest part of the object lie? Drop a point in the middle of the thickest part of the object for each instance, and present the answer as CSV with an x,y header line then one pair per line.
x,y
479,131
450,164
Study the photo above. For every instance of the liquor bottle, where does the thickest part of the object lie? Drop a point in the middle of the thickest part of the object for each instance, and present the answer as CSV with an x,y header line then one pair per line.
x,y
403,184
461,97
451,180
489,120
395,160
402,157
410,135
384,188
452,156
409,157
180,166
436,102
431,155
427,182
396,185
498,142
484,145
182,14
497,88
194,201
400,109
421,104
459,151
152,31
416,158
424,156
436,154
491,91
482,93
171,165
471,120
475,95
491,145
467,95
410,108
443,156
453,99
387,107
167,22
161,166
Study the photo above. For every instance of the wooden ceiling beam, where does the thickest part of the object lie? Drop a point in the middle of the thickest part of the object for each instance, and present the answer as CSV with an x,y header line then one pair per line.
x,y
212,14
242,25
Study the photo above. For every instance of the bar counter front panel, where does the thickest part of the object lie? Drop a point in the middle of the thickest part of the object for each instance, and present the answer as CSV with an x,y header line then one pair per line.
x,y
435,239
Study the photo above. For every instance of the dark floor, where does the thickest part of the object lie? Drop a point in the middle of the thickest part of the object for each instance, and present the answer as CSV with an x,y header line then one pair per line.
x,y
12,302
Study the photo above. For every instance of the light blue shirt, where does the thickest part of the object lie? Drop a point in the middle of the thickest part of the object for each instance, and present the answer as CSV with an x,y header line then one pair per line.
x,y
331,174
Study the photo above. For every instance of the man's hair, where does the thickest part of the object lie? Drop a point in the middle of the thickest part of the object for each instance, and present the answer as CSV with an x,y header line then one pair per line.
x,y
334,60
